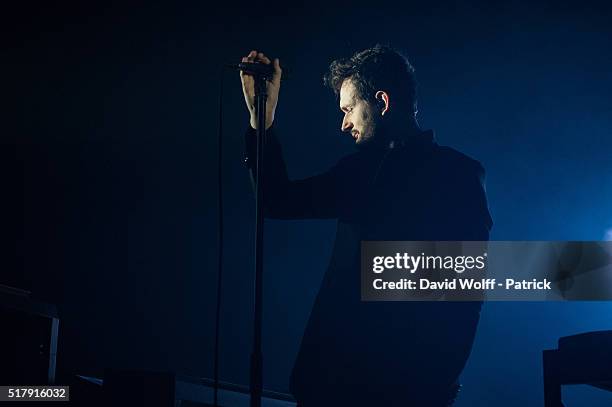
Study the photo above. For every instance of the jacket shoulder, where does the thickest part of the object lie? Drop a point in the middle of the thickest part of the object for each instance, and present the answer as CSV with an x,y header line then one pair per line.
x,y
460,163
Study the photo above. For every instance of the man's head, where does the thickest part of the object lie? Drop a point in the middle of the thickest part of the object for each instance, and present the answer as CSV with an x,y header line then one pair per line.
x,y
376,86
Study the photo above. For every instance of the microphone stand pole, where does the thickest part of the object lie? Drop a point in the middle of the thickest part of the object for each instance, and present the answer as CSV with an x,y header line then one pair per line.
x,y
256,373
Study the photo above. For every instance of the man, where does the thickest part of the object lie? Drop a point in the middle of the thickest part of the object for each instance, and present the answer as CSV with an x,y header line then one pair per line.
x,y
399,185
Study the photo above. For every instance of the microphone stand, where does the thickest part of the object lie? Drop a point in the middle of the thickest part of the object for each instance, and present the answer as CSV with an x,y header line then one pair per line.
x,y
256,373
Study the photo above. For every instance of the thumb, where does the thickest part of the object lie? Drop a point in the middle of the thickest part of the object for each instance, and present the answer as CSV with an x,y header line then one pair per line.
x,y
276,77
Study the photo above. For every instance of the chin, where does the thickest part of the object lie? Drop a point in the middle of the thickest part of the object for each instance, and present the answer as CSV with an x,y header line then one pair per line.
x,y
361,139
362,142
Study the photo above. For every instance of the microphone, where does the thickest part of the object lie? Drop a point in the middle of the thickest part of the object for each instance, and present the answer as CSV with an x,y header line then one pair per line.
x,y
255,68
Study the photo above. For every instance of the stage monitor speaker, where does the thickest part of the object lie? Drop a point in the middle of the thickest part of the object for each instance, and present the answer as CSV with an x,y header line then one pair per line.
x,y
28,341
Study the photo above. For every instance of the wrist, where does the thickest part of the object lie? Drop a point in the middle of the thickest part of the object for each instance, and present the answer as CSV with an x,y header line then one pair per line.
x,y
269,121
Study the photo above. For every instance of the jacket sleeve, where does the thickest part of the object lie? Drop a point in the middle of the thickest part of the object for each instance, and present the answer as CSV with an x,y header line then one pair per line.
x,y
313,197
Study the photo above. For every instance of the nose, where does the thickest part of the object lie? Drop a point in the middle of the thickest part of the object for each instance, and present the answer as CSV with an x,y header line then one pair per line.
x,y
347,125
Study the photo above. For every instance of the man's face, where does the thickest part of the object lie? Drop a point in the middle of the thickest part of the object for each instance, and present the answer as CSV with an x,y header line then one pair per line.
x,y
360,117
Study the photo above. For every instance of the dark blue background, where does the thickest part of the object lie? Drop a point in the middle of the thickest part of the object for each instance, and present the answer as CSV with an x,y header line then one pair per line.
x,y
115,127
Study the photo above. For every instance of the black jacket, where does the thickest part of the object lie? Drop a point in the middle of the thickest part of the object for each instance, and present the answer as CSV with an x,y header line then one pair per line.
x,y
381,353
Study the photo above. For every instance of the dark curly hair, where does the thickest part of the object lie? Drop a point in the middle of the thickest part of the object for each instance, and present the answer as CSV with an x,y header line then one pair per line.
x,y
373,69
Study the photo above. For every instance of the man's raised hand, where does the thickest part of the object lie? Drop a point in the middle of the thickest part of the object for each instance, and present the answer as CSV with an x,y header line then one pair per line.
x,y
273,87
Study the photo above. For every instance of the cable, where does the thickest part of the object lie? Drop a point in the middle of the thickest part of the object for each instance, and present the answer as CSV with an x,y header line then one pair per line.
x,y
220,239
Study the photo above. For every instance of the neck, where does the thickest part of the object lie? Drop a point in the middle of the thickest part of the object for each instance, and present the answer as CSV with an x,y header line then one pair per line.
x,y
391,135
397,134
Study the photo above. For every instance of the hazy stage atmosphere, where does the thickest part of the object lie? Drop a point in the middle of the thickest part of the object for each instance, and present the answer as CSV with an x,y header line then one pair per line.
x,y
115,177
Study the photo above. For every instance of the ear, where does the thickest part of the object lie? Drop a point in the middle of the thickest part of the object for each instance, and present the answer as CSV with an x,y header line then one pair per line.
x,y
382,98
